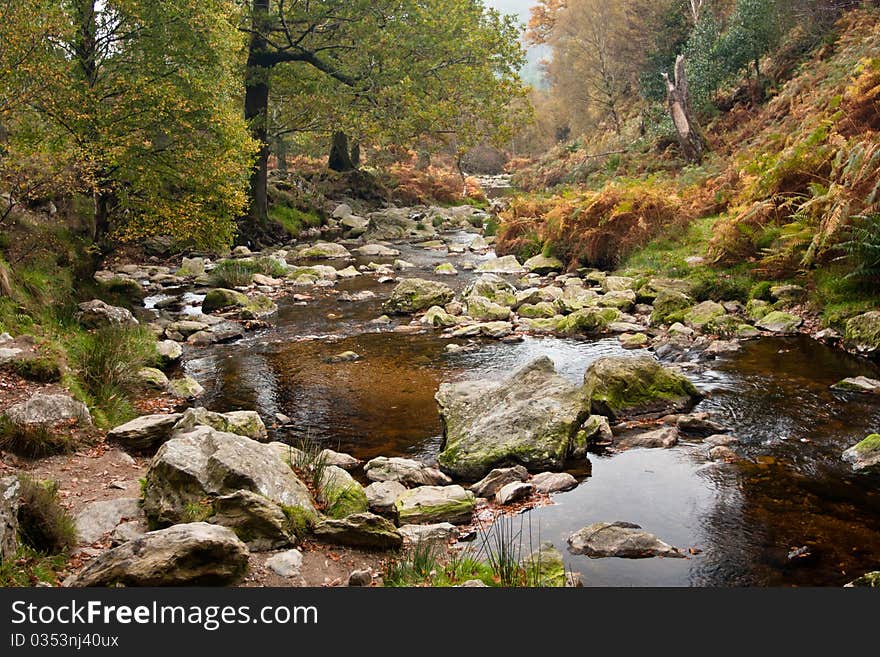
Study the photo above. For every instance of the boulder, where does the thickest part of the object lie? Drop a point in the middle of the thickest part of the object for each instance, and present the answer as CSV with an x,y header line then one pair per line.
x,y
220,298
191,267
542,265
362,530
194,554
595,432
416,294
669,307
184,328
703,315
10,490
626,386
285,564
505,265
532,418
169,352
871,579
103,516
257,521
619,539
242,423
381,496
145,432
97,314
633,340
342,211
494,288
780,322
482,309
48,409
354,226
446,269
427,505
513,492
203,463
858,384
185,387
617,283
498,478
438,318
152,378
537,310
589,320
788,294
322,251
340,494
722,453
863,333
553,482
864,456
437,533
339,459
406,471
659,438
377,251
622,300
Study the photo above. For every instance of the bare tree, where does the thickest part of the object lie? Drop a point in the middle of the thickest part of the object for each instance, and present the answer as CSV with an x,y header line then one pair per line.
x,y
690,137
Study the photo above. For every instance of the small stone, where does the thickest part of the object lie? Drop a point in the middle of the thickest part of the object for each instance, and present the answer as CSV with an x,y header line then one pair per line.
x,y
722,453
286,564
360,578
513,492
552,482
344,357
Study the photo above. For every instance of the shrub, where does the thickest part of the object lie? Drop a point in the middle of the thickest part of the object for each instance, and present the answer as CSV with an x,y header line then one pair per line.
x,y
44,524
34,441
718,286
240,273
863,251
761,291
42,369
293,220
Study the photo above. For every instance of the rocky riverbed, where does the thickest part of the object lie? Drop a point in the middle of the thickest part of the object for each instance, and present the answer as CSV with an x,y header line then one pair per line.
x,y
402,383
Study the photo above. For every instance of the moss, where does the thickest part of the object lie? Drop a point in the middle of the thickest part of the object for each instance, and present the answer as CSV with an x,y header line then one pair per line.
x,y
293,220
761,291
869,444
197,511
27,567
299,521
453,509
220,298
703,314
670,307
342,501
42,369
589,320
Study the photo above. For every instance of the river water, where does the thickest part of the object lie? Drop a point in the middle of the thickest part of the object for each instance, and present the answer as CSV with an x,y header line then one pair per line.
x,y
741,520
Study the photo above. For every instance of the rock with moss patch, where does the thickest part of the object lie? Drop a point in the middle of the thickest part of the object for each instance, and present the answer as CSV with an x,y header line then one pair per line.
x,y
10,491
780,322
438,318
620,387
494,288
258,307
589,320
427,505
413,295
257,521
446,269
242,423
203,463
649,291
703,315
504,265
669,307
537,310
863,333
152,378
381,496
864,456
482,309
193,554
620,299
321,251
497,479
340,494
168,352
858,384
191,267
788,294
757,309
221,298
871,579
362,530
633,340
48,409
185,387
541,264
596,432
619,539
531,418
618,283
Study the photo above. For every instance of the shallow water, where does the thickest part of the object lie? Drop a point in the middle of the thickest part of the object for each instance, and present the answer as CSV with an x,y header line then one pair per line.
x,y
741,519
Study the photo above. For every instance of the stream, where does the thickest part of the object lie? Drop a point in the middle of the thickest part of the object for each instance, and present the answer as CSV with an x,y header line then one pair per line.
x,y
740,519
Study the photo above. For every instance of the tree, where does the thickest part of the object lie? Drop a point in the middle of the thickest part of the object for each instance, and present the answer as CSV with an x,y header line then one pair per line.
x,y
690,137
146,101
377,71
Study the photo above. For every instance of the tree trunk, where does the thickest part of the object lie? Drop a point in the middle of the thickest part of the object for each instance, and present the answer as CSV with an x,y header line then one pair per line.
x,y
690,137
281,153
256,112
340,157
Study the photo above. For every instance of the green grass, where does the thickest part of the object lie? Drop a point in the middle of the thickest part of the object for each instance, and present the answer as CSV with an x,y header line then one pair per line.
x,y
840,297
44,525
34,441
240,273
665,256
292,220
29,568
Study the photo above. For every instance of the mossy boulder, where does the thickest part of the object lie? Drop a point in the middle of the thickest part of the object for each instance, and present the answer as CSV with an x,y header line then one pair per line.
x,y
322,251
413,295
439,318
428,505
257,307
340,494
780,322
545,567
620,299
649,291
628,386
618,284
704,314
446,269
185,387
362,530
670,306
541,264
494,288
532,418
757,309
220,298
864,456
871,579
241,423
484,310
863,333
589,320
544,324
505,265
152,378
258,522
633,340
534,310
